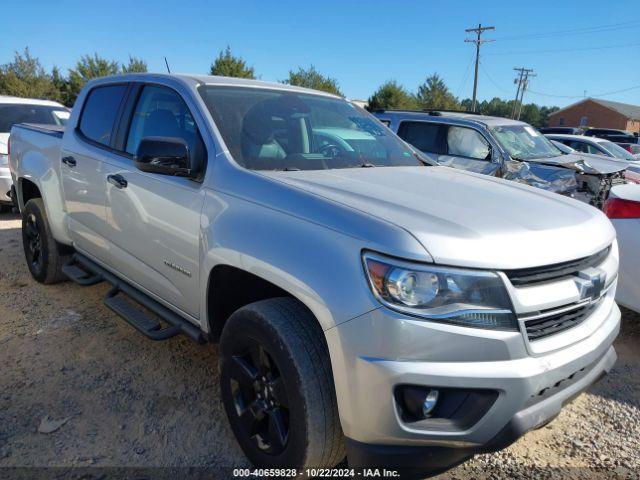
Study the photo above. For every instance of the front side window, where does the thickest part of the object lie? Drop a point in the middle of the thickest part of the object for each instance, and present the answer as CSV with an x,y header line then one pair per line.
x,y
161,112
11,114
100,111
581,147
267,129
466,142
523,142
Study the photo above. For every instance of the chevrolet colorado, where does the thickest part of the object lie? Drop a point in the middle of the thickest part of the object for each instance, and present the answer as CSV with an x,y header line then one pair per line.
x,y
367,302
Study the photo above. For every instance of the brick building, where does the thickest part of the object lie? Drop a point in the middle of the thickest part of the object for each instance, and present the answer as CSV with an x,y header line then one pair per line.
x,y
593,112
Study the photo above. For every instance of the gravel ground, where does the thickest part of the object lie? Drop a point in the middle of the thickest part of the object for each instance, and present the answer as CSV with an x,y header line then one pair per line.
x,y
108,397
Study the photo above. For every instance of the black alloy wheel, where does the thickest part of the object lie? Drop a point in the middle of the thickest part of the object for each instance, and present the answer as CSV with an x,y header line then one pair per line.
x,y
260,397
33,243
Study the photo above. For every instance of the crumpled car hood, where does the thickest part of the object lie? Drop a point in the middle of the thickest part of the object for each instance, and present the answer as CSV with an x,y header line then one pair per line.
x,y
590,164
464,218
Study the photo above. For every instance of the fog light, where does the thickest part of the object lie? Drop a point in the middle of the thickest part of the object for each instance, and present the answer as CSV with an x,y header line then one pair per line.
x,y
429,403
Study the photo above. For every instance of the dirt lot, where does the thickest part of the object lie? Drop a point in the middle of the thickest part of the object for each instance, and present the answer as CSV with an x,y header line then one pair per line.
x,y
125,401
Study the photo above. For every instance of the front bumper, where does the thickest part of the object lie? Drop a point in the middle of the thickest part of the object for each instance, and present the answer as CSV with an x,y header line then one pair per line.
x,y
531,388
5,186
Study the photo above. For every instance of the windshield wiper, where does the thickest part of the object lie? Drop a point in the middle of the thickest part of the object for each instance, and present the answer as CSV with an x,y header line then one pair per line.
x,y
367,165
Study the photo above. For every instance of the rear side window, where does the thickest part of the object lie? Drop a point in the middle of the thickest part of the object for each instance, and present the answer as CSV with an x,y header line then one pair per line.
x,y
100,112
426,137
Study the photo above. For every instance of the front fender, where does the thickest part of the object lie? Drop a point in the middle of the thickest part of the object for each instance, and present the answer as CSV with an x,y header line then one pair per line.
x,y
320,267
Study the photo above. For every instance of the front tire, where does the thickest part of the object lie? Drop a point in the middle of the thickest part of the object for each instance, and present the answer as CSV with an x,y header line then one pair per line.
x,y
277,386
45,257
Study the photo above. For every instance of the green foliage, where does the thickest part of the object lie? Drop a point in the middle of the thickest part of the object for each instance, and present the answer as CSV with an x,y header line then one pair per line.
x,y
86,68
434,94
531,113
24,76
227,65
135,65
311,78
391,95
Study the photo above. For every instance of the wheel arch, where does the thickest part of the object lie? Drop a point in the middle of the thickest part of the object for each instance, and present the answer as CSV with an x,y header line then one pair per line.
x,y
230,287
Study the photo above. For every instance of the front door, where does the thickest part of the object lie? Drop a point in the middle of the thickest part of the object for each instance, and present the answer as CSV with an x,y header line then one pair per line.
x,y
154,219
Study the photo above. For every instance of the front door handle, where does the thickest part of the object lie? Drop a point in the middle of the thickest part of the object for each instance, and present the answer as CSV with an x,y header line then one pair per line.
x,y
69,161
117,180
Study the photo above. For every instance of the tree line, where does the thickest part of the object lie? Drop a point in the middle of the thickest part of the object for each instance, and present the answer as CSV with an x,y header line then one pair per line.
x,y
25,76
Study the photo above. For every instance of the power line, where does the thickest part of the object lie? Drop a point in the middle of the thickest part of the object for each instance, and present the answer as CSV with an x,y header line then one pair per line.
x,y
465,76
576,31
635,87
495,84
478,41
564,50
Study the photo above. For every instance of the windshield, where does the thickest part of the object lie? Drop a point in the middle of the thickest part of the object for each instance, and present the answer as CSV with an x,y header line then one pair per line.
x,y
616,150
523,142
10,114
283,130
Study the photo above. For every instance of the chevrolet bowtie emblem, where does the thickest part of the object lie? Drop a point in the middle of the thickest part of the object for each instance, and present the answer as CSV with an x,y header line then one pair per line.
x,y
590,283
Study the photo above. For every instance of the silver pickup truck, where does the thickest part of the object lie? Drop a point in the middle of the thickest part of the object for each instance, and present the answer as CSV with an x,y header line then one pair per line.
x,y
367,303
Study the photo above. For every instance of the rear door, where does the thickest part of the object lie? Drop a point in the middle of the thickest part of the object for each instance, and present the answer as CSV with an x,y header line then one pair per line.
x,y
154,220
83,155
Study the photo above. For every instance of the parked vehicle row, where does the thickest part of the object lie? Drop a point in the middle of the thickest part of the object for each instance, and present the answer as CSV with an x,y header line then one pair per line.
x,y
595,146
367,300
20,110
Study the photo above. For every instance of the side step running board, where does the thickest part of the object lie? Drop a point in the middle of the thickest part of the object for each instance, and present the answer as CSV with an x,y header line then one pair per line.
x,y
79,275
86,272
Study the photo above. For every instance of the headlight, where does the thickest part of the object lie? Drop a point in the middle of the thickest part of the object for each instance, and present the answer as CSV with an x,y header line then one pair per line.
x,y
4,160
470,298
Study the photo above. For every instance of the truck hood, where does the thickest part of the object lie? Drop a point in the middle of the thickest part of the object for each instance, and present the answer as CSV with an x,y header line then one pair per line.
x,y
590,164
4,140
463,218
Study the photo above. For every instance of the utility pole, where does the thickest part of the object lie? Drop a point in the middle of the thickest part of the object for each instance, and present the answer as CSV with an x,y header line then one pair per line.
x,y
523,82
519,82
478,41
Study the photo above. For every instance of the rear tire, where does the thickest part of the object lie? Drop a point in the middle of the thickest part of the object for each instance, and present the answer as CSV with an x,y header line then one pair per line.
x,y
277,386
45,257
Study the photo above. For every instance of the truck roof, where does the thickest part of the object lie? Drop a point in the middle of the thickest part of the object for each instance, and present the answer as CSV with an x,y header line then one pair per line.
x,y
5,99
439,115
197,80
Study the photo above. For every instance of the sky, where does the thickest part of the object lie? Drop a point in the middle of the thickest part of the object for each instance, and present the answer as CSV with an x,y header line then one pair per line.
x,y
575,47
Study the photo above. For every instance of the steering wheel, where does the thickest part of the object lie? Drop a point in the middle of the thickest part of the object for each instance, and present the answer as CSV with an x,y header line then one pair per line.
x,y
331,150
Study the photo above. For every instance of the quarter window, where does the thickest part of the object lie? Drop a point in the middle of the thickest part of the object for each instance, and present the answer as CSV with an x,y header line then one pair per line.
x,y
100,112
160,112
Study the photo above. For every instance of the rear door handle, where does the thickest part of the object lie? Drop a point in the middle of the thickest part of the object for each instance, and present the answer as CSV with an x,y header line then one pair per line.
x,y
69,161
117,180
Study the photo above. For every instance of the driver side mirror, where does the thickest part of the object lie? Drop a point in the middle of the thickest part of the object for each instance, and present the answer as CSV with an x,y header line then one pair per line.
x,y
165,156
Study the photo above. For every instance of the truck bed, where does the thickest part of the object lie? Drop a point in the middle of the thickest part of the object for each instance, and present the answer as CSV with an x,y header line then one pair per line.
x,y
55,130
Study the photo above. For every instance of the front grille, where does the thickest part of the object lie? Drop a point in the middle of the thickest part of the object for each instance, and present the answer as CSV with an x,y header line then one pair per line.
x,y
543,326
526,276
